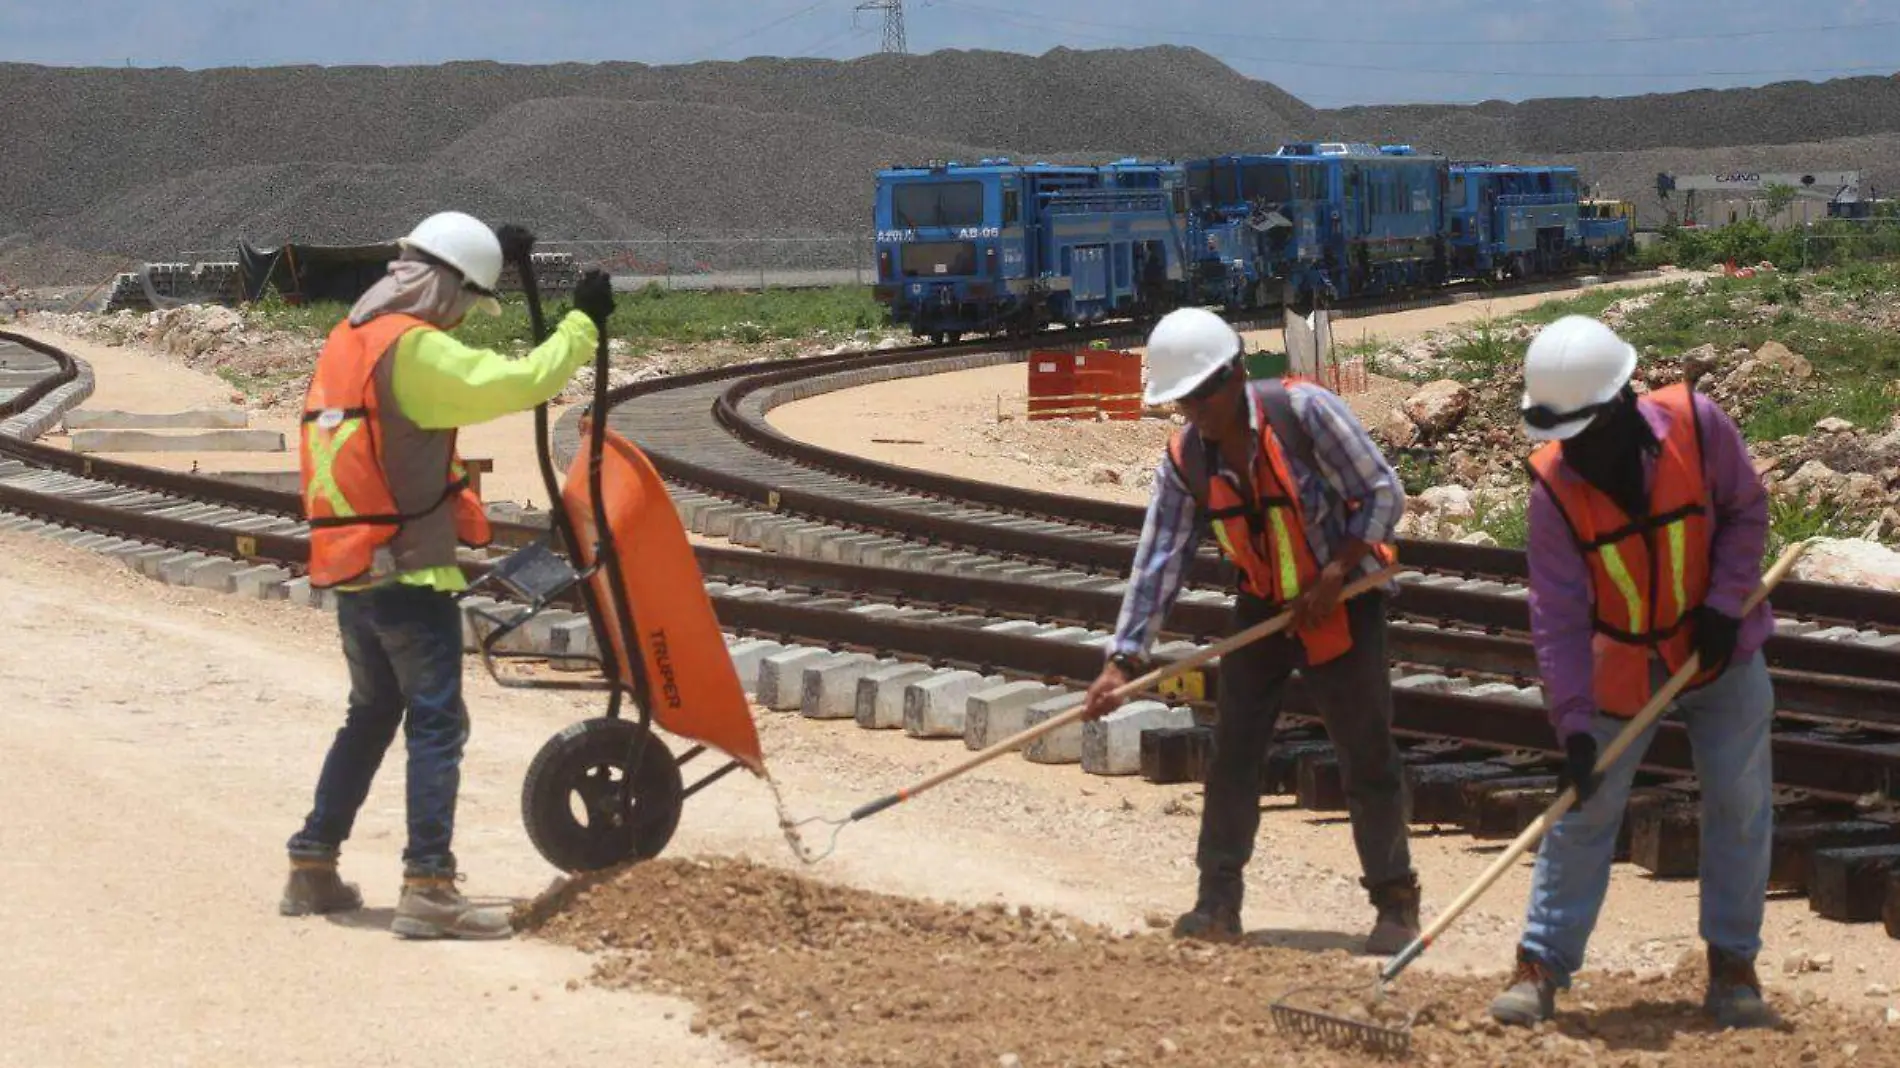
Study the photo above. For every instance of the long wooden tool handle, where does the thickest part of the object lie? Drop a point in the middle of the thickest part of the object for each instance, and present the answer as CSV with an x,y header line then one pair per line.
x,y
1152,678
1623,740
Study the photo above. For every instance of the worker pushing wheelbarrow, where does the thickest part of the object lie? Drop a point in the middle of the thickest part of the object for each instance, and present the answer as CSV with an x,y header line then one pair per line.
x,y
606,790
388,501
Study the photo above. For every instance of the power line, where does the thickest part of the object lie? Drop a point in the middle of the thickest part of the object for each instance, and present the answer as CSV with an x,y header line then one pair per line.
x,y
893,23
1460,42
756,30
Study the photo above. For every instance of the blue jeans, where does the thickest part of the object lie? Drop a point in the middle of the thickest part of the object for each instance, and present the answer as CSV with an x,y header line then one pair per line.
x,y
1728,723
404,648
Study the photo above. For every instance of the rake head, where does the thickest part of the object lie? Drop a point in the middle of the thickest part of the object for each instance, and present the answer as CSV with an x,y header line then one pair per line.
x,y
1388,1039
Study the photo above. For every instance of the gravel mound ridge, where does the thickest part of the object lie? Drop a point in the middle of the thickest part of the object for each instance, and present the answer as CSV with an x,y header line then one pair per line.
x,y
148,163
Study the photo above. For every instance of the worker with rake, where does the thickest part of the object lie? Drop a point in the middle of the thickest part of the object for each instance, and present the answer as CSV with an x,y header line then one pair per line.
x,y
1648,525
388,501
1302,502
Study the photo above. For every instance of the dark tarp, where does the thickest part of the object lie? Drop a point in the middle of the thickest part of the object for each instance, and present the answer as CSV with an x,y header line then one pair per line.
x,y
304,273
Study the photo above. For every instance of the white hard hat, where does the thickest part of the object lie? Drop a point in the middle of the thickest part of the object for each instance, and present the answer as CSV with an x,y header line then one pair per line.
x,y
1186,346
464,243
1573,365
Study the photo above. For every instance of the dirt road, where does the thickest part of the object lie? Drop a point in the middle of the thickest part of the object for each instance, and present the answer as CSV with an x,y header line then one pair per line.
x,y
135,379
160,744
955,423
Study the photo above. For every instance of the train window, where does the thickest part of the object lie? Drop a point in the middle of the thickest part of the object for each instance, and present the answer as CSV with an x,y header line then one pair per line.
x,y
1265,181
1200,183
928,259
1012,207
1457,193
916,204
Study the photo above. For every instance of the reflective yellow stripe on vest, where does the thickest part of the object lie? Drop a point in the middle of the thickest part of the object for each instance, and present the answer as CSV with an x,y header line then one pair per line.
x,y
322,456
1289,567
1619,574
1676,556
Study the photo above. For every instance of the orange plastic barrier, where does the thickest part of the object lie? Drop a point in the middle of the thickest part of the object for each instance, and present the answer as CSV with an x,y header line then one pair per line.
x,y
1054,392
694,688
1084,385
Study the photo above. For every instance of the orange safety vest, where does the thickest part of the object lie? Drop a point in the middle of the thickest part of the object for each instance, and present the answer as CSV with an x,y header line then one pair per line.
x,y
1266,538
348,503
1647,574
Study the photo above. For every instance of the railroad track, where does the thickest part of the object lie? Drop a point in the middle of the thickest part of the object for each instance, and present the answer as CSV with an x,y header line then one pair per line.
x,y
859,568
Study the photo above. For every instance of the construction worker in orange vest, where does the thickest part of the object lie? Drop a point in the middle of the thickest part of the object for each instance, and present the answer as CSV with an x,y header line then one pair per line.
x,y
1301,501
1648,525
388,501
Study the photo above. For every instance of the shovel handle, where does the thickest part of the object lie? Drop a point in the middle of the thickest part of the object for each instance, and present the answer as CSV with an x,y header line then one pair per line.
x,y
1623,740
1127,689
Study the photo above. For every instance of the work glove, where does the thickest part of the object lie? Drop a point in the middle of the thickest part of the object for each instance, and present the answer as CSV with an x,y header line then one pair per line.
x,y
1715,637
516,242
1579,770
594,297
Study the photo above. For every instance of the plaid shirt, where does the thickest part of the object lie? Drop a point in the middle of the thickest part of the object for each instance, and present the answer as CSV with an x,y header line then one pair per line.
x,y
1351,467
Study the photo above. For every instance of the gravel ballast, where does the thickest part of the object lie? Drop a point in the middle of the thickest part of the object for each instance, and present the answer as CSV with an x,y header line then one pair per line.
x,y
152,163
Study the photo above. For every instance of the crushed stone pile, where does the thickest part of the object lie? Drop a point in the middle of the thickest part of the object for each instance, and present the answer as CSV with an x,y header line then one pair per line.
x,y
149,163
803,973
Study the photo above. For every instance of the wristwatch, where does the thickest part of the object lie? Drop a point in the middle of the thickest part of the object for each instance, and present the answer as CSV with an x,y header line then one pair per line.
x,y
1128,663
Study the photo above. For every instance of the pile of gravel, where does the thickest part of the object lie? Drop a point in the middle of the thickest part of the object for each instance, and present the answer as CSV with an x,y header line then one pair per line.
x,y
150,163
1778,114
684,168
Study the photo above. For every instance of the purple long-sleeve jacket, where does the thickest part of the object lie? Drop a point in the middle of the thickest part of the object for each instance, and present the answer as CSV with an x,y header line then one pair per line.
x,y
1560,588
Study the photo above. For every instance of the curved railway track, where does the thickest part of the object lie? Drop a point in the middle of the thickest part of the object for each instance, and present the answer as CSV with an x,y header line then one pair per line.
x,y
894,565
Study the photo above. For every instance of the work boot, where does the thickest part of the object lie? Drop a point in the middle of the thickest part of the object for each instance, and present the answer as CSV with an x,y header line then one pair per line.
x,y
1532,995
431,907
1397,922
315,888
1216,914
1734,994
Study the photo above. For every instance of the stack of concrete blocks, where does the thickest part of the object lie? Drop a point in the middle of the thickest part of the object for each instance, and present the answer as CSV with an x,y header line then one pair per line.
x,y
1062,745
934,706
880,695
999,712
830,689
1112,745
215,430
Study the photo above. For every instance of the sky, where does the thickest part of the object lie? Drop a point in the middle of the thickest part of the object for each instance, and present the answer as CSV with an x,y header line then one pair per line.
x,y
1330,54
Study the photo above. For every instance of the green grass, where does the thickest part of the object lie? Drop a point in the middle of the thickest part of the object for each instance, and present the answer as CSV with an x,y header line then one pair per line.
x,y
1483,353
1791,519
1509,522
646,319
1855,368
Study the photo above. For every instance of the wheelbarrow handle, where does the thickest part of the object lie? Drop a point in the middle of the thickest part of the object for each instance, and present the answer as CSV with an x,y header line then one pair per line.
x,y
1127,689
1624,739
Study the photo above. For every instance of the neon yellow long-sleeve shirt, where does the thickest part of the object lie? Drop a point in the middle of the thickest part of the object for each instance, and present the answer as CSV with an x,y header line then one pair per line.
x,y
441,383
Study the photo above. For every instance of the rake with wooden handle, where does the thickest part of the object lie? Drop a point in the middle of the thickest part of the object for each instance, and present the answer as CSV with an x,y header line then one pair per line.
x,y
1397,1040
1122,692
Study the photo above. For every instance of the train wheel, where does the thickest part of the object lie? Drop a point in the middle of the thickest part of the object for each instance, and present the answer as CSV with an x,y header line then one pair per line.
x,y
587,808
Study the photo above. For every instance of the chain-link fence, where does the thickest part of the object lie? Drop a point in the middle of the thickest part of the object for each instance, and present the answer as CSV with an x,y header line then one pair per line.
x,y
713,261
728,261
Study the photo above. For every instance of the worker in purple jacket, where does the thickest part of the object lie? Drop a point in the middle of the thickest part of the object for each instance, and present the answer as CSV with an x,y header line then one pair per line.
x,y
1648,525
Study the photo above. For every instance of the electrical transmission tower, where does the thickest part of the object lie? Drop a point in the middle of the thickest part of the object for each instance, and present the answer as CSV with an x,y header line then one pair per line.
x,y
893,22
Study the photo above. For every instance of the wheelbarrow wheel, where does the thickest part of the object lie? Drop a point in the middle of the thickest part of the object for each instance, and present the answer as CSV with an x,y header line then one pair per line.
x,y
586,808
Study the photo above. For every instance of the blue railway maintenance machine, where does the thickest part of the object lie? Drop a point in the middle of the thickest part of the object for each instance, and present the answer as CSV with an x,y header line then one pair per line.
x,y
1316,222
996,247
1004,248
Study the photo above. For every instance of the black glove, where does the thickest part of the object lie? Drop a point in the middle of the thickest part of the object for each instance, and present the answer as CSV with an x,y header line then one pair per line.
x,y
1715,637
516,243
594,296
1579,770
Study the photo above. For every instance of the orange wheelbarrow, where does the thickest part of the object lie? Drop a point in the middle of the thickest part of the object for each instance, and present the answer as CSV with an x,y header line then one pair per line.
x,y
608,790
